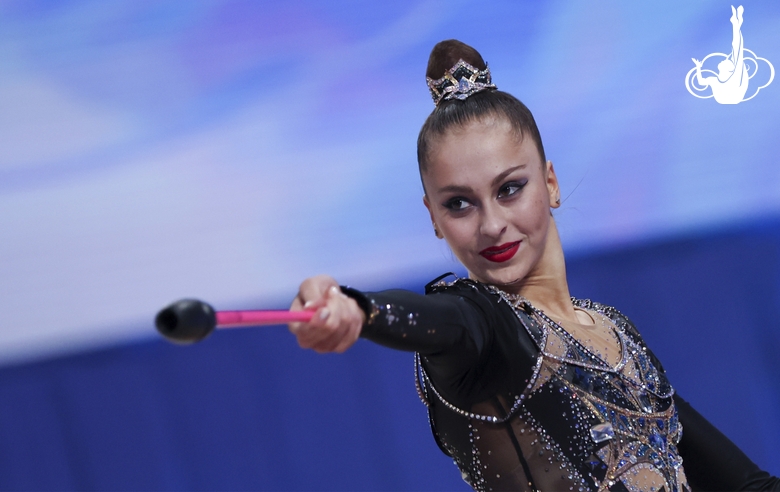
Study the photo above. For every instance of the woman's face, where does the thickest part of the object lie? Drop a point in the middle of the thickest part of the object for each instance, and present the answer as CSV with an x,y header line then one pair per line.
x,y
489,195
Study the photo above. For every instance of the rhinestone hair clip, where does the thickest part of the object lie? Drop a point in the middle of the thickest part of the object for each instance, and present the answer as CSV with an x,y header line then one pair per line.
x,y
459,82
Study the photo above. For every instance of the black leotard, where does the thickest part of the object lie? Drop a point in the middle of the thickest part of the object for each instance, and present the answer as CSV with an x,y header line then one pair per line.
x,y
519,404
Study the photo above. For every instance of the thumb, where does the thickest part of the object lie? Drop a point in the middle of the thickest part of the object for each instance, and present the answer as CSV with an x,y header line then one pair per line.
x,y
315,304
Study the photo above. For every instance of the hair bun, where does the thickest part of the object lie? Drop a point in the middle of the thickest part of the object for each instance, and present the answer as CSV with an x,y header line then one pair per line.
x,y
459,70
447,53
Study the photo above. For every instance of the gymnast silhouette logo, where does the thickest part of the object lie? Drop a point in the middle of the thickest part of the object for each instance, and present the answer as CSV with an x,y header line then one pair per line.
x,y
729,85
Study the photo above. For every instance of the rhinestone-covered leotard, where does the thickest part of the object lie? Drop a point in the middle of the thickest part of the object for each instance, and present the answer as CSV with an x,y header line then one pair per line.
x,y
520,404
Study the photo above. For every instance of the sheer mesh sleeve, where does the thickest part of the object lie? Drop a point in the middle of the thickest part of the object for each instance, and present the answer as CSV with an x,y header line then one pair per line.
x,y
712,461
427,324
469,346
451,330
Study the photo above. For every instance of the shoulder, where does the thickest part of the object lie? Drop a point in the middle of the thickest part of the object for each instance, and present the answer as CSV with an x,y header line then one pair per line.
x,y
505,312
451,284
484,296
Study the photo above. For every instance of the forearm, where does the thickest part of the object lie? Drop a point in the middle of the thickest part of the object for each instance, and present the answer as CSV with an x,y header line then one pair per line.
x,y
432,324
711,461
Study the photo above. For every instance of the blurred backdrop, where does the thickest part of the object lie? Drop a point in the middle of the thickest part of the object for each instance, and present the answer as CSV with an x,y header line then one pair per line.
x,y
225,150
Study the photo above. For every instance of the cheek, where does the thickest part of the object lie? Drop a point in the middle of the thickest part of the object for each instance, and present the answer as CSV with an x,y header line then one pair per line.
x,y
460,233
535,213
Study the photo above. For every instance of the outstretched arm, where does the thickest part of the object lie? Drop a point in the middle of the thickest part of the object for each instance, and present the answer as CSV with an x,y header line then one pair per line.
x,y
439,324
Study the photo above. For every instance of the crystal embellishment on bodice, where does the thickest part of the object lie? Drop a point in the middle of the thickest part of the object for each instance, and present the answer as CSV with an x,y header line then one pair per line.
x,y
638,428
582,421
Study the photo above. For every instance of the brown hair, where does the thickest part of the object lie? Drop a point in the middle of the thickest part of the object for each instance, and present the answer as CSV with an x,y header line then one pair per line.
x,y
454,112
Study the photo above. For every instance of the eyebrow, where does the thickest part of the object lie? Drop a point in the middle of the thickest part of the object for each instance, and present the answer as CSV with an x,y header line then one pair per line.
x,y
496,181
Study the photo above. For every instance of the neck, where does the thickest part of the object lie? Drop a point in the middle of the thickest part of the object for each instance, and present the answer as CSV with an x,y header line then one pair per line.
x,y
546,286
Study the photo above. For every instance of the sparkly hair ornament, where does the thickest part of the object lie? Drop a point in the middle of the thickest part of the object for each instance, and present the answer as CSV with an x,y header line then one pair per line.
x,y
459,82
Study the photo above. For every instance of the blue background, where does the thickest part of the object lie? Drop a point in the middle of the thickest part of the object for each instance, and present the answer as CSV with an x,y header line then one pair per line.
x,y
226,150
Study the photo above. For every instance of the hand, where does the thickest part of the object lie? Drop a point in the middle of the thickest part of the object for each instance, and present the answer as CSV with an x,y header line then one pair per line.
x,y
696,62
337,321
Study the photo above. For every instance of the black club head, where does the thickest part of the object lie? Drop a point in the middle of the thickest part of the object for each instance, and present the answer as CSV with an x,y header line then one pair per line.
x,y
186,321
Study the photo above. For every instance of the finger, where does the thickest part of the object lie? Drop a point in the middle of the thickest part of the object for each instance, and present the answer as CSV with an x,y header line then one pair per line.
x,y
349,340
314,288
300,328
334,292
313,305
335,326
334,342
322,325
330,317
351,324
311,296
296,304
323,282
338,326
306,333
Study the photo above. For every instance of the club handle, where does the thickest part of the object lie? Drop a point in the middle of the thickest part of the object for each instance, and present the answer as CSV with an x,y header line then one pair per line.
x,y
230,319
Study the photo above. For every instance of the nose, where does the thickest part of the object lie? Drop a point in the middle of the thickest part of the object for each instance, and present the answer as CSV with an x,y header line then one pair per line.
x,y
493,223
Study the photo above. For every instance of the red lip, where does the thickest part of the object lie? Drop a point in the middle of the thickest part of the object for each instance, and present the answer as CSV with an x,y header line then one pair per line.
x,y
500,254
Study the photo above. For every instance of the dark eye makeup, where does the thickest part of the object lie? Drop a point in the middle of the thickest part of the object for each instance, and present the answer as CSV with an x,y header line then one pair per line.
x,y
507,190
511,188
456,204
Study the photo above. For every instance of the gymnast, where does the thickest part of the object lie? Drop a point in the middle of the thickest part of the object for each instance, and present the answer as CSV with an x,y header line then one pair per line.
x,y
526,387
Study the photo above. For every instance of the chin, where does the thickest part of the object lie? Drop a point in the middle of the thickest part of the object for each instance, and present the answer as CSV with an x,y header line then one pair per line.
x,y
506,282
505,276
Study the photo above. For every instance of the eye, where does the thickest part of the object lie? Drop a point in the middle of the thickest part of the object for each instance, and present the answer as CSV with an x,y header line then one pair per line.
x,y
457,204
511,188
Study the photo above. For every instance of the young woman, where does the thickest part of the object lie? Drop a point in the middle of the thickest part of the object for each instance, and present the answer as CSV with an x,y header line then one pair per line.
x,y
527,389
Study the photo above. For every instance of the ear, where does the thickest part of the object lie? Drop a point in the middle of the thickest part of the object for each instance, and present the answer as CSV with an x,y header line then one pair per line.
x,y
553,190
430,212
428,206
